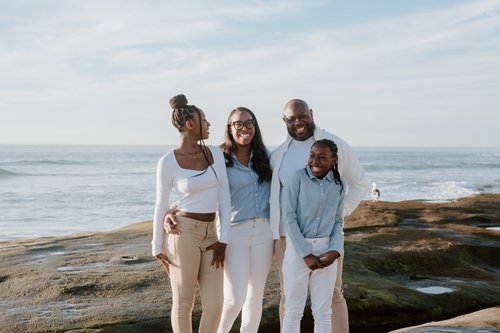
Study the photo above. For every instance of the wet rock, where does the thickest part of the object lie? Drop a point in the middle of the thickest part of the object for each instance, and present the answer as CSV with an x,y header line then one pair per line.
x,y
108,282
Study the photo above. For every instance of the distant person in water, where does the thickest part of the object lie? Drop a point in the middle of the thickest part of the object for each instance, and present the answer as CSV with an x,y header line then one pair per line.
x,y
192,178
313,204
292,155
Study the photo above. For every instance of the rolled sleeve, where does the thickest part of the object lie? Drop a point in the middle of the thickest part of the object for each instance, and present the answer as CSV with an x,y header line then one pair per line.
x,y
355,179
337,235
290,203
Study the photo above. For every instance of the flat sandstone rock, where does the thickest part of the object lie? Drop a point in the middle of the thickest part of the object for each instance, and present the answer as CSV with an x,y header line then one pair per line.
x,y
406,263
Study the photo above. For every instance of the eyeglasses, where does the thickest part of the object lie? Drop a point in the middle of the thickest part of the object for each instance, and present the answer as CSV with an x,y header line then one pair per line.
x,y
238,125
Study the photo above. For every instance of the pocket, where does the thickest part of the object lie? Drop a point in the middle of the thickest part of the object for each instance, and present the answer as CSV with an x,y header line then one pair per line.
x,y
172,247
212,233
186,226
290,254
265,230
320,247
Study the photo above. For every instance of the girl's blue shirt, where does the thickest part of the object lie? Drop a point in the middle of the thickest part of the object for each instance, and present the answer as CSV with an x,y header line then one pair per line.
x,y
313,208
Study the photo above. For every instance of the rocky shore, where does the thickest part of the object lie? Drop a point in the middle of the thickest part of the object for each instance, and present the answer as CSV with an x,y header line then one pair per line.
x,y
407,263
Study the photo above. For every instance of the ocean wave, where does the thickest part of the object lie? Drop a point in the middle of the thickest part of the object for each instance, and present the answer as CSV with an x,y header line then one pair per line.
x,y
422,167
491,165
6,173
378,167
49,162
433,191
454,189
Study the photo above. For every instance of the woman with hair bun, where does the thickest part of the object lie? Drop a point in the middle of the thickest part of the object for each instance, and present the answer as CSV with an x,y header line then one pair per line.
x,y
192,180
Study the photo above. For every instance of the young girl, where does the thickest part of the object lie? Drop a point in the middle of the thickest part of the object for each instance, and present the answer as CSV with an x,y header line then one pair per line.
x,y
193,178
313,201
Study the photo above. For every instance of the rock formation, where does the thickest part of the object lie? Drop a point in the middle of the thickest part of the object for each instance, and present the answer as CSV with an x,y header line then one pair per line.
x,y
108,282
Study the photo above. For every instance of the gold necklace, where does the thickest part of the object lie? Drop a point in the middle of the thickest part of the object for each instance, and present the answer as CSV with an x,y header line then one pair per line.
x,y
193,155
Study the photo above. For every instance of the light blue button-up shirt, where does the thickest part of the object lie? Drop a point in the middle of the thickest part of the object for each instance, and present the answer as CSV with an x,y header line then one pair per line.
x,y
249,198
312,209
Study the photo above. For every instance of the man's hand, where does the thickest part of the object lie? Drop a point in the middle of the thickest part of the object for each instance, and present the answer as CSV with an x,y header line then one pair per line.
x,y
219,254
170,223
312,262
328,258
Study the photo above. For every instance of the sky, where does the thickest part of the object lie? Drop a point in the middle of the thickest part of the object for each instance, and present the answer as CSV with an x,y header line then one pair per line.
x,y
376,73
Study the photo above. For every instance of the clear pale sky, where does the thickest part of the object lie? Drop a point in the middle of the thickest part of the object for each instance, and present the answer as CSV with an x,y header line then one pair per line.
x,y
377,73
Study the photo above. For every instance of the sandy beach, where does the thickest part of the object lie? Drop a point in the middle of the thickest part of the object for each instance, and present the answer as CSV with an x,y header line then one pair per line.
x,y
108,282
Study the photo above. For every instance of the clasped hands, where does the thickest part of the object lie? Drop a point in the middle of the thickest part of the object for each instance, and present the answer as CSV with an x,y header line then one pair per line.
x,y
321,261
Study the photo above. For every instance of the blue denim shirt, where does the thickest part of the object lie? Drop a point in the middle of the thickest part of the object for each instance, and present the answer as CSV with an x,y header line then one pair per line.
x,y
249,198
312,209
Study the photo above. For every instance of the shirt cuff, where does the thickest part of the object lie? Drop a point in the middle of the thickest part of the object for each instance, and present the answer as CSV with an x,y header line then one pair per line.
x,y
157,249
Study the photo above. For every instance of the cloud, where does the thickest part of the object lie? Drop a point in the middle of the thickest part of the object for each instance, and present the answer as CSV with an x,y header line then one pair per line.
x,y
91,59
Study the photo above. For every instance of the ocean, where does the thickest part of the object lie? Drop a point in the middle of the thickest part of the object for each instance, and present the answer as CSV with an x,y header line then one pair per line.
x,y
57,190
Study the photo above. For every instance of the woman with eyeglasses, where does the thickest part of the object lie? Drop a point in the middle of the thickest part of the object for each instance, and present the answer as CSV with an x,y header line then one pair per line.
x,y
250,249
192,178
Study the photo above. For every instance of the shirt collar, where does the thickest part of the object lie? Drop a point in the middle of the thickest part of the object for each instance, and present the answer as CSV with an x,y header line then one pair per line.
x,y
235,161
329,175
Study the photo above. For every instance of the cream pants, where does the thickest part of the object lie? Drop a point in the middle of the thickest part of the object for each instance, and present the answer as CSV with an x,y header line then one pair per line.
x,y
191,267
298,279
340,317
248,259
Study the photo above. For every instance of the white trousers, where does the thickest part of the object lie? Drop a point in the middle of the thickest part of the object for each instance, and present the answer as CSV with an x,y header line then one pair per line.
x,y
298,279
248,260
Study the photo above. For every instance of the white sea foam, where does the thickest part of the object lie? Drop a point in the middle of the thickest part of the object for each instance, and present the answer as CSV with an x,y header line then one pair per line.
x,y
455,189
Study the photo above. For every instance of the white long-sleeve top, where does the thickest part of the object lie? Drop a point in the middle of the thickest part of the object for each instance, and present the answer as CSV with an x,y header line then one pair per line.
x,y
349,168
191,191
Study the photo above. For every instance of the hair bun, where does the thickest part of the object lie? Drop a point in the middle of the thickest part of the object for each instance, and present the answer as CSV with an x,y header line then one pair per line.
x,y
178,101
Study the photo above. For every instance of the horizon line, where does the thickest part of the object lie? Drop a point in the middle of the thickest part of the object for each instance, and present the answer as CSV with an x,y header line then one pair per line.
x,y
161,145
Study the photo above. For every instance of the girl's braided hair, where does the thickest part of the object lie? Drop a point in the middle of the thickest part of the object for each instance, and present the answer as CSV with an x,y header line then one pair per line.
x,y
335,168
181,111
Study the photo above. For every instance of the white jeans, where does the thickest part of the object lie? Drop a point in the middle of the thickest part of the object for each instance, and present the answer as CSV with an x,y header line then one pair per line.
x,y
248,259
298,278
